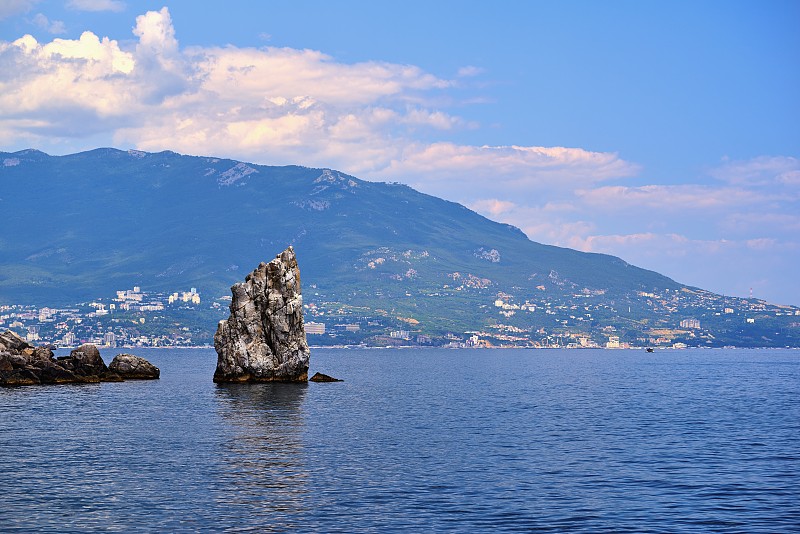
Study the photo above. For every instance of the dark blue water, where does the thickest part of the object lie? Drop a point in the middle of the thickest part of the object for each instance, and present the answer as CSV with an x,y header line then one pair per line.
x,y
426,440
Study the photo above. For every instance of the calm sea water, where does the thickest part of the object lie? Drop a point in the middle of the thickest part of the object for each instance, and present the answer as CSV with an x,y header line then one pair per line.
x,y
416,440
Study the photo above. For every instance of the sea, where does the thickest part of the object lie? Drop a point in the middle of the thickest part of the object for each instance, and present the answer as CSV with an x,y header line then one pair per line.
x,y
415,440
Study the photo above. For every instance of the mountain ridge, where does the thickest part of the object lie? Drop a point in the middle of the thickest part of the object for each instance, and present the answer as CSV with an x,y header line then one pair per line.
x,y
81,226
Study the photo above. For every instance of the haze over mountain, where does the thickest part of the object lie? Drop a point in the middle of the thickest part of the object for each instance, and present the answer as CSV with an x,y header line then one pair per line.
x,y
83,226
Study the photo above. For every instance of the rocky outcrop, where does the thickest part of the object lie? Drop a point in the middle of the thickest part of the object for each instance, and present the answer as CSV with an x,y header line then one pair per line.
x,y
264,339
85,363
131,367
22,364
11,342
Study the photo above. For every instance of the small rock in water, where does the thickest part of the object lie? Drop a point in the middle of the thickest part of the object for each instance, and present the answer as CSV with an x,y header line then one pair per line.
x,y
319,377
128,366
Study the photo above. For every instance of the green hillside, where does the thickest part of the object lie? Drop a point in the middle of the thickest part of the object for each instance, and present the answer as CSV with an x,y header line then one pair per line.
x,y
80,227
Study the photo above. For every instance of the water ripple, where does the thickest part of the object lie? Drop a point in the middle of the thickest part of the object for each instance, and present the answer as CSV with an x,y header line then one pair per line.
x,y
432,441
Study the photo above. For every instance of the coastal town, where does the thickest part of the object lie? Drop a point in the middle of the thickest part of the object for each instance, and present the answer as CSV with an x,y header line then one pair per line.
x,y
135,317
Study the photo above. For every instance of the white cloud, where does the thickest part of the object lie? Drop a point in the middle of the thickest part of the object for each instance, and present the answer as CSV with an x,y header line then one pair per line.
x,y
474,172
762,222
448,158
156,34
9,8
669,197
270,105
552,222
55,26
760,171
726,236
469,71
96,5
56,82
493,206
250,75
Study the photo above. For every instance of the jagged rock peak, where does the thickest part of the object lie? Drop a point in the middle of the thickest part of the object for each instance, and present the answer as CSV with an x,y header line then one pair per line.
x,y
264,339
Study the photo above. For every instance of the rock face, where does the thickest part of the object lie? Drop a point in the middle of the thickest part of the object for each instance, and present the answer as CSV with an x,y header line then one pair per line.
x,y
264,339
22,364
85,363
133,367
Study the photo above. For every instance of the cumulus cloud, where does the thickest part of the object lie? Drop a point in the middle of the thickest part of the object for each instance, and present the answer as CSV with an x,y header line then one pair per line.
x,y
156,35
96,5
269,105
45,87
51,83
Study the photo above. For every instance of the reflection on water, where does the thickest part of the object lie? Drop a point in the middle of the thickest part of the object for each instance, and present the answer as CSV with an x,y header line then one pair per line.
x,y
262,471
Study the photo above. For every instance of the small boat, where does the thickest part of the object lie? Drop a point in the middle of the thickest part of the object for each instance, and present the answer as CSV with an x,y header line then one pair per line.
x,y
649,349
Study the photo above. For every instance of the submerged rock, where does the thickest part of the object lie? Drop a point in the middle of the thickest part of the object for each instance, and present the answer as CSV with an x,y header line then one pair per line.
x,y
264,339
319,377
21,364
128,366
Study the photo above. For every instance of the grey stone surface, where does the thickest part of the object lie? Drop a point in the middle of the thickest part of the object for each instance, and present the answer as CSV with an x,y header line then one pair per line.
x,y
21,364
133,367
11,342
85,362
264,339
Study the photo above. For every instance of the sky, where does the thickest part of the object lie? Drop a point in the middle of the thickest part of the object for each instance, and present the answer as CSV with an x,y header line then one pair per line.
x,y
665,133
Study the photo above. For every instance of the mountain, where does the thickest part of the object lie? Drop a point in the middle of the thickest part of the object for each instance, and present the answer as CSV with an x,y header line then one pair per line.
x,y
80,227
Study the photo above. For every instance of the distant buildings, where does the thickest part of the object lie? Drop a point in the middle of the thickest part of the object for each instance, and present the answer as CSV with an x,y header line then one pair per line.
x,y
134,295
315,328
348,327
68,340
33,333
191,296
531,319
690,323
109,339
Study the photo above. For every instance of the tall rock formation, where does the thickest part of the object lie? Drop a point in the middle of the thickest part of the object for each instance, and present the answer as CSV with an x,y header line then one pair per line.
x,y
264,339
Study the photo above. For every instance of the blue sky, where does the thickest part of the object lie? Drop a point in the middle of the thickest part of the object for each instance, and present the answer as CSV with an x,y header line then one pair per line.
x,y
664,133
